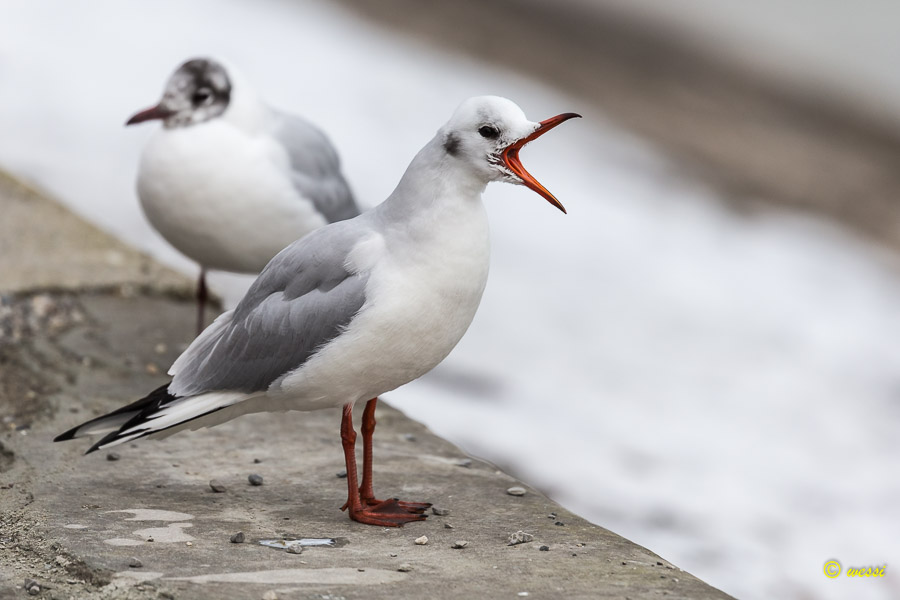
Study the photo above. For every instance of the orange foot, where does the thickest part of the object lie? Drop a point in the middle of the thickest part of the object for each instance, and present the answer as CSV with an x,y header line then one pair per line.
x,y
390,513
412,507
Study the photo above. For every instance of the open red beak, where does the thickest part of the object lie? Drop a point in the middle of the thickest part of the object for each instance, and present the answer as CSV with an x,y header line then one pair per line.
x,y
510,157
156,112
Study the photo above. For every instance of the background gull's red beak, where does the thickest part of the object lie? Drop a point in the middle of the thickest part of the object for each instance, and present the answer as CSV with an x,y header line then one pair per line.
x,y
510,157
156,112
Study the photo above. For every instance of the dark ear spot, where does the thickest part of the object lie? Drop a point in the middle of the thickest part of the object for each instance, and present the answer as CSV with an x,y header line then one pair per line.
x,y
451,144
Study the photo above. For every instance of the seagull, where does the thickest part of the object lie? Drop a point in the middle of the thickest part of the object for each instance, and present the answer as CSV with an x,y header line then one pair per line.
x,y
229,181
355,309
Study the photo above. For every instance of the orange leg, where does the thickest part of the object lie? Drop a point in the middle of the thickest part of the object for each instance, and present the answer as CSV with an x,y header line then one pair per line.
x,y
366,493
387,513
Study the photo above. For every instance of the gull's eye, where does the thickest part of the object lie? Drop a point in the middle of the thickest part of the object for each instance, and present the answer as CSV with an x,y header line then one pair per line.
x,y
488,131
201,96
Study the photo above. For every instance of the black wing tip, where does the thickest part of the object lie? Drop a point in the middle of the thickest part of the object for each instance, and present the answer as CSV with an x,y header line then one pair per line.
x,y
93,448
158,396
69,435
106,439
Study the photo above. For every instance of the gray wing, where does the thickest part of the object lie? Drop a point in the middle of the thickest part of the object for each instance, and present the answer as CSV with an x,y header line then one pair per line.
x,y
315,167
301,300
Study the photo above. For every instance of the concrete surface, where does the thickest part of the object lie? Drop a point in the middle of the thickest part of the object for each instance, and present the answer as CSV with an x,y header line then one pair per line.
x,y
74,523
43,248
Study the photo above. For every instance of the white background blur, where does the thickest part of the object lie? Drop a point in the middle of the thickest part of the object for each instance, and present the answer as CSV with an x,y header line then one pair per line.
x,y
723,389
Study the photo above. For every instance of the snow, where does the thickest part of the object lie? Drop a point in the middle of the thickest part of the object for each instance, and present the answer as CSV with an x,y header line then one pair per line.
x,y
722,388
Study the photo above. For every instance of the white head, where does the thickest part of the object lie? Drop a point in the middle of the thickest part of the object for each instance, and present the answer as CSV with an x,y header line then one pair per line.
x,y
487,132
199,90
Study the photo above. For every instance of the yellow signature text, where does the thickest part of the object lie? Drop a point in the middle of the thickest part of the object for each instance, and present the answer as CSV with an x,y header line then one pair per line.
x,y
833,569
866,571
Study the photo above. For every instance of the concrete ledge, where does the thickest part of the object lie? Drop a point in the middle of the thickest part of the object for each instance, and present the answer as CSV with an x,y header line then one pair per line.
x,y
75,523
43,247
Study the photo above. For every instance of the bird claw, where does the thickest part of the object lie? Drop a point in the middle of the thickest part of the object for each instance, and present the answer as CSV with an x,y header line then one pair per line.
x,y
390,513
411,507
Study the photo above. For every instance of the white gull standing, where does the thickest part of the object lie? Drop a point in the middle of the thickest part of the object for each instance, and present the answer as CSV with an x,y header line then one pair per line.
x,y
355,309
230,181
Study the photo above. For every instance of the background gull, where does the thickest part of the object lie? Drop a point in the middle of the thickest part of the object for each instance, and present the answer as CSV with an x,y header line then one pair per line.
x,y
230,181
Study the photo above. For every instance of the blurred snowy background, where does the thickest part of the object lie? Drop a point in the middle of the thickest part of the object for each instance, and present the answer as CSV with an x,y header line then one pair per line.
x,y
719,385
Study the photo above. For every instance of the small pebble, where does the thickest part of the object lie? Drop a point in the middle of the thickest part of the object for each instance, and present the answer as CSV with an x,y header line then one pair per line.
x,y
393,555
270,595
519,537
256,461
544,548
135,563
448,526
361,570
150,539
113,456
255,479
552,515
294,549
560,523
459,544
341,474
522,594
441,512
216,486
409,437
32,587
238,538
464,462
189,543
516,491
405,568
422,540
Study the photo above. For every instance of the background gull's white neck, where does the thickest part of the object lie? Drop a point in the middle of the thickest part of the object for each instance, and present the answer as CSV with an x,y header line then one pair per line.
x,y
246,110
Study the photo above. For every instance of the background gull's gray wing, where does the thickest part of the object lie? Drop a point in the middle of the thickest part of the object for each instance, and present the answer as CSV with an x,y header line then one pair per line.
x,y
315,167
301,300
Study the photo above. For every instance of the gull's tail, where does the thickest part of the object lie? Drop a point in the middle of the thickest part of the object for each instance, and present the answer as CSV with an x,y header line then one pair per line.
x,y
159,414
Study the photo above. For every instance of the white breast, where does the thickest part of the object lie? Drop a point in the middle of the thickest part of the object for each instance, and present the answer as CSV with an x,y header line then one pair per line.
x,y
222,197
420,300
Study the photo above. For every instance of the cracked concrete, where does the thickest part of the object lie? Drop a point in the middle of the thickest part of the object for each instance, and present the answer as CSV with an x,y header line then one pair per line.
x,y
106,332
